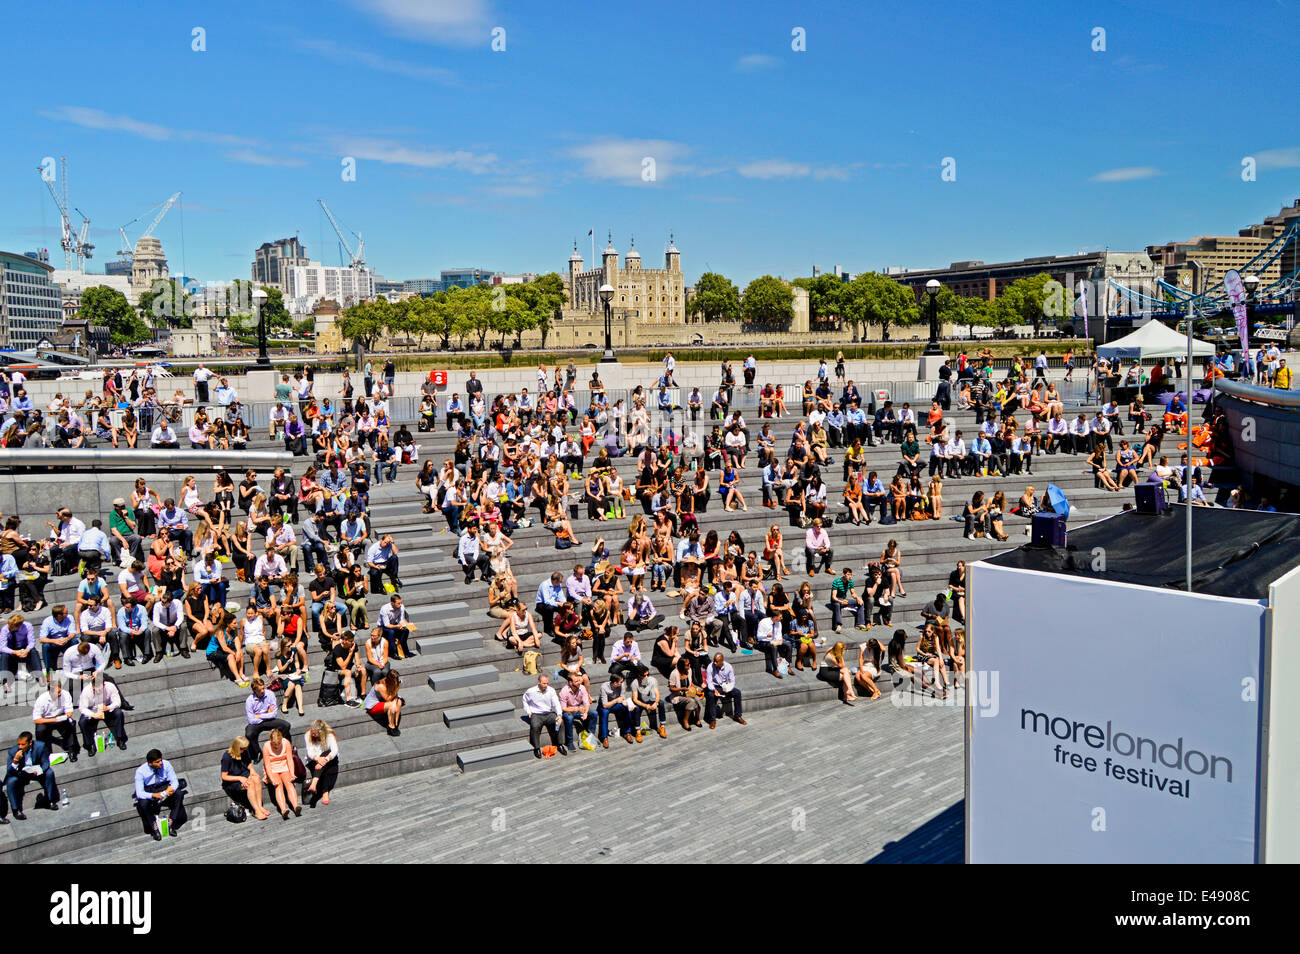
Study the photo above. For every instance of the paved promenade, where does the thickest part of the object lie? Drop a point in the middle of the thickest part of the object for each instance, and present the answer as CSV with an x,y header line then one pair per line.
x,y
817,784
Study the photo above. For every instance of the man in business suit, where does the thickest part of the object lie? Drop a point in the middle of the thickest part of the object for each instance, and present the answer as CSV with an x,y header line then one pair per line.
x,y
28,760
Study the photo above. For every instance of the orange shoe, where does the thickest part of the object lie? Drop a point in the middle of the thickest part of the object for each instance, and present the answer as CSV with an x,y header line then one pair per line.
x,y
663,733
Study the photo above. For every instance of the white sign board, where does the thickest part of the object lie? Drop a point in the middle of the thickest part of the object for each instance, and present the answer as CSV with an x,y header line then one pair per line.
x,y
1126,727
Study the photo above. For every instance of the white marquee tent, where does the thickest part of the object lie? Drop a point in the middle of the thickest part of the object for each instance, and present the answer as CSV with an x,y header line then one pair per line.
x,y
1153,340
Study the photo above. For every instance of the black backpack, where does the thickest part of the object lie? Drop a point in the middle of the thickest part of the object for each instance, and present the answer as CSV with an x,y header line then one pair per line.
x,y
331,694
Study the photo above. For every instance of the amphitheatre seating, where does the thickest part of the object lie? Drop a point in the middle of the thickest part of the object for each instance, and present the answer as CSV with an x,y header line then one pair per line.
x,y
462,690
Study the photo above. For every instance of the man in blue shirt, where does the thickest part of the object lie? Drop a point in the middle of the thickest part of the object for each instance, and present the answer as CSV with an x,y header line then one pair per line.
x,y
173,519
455,412
835,426
156,787
856,427
132,631
551,595
381,559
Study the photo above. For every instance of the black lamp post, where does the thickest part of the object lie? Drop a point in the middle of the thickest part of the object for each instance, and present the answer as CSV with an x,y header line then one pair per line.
x,y
259,302
932,292
1251,282
606,296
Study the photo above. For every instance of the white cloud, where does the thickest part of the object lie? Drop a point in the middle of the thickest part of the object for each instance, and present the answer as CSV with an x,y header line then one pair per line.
x,y
89,118
622,159
753,62
1126,174
840,173
441,22
253,158
1278,158
394,153
775,169
517,191
383,64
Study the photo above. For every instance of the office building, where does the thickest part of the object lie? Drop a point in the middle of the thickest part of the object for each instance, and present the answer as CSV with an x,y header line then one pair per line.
x,y
31,304
272,259
306,285
465,277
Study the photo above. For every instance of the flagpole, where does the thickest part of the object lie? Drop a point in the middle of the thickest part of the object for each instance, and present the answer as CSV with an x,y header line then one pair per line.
x,y
1187,474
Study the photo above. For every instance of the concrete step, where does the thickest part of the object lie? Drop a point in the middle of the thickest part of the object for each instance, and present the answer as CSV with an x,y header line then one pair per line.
x,y
478,713
491,756
434,645
460,678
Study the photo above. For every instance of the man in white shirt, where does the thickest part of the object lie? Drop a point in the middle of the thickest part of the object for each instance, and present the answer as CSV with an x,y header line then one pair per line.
x,y
163,437
270,565
168,618
1100,428
100,702
52,716
955,453
542,708
817,548
720,684
773,643
65,539
470,554
284,541
1079,436
202,376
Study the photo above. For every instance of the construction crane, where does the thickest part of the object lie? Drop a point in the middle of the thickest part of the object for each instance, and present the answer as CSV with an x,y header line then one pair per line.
x,y
71,242
127,252
358,258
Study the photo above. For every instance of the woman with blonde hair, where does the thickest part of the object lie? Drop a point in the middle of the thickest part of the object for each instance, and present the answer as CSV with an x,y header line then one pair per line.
x,y
259,516
277,765
240,783
835,671
322,762
935,495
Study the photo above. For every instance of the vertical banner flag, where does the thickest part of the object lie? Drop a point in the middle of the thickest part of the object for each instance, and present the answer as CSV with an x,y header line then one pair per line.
x,y
1083,298
1236,290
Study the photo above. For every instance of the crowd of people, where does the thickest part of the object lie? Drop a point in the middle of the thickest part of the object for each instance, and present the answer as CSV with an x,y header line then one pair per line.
x,y
166,578
302,555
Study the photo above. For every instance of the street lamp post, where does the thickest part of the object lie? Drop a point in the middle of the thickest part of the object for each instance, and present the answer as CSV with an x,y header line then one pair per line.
x,y
606,296
1251,282
259,302
932,292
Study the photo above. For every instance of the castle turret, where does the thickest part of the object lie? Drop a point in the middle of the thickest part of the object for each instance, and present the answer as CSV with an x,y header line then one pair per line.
x,y
672,257
575,269
609,262
633,258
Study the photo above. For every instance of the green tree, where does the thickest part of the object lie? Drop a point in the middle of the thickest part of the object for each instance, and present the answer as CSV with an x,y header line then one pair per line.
x,y
550,296
106,306
1027,301
514,314
825,296
962,310
872,298
164,304
277,316
306,326
716,298
768,304
482,317
367,322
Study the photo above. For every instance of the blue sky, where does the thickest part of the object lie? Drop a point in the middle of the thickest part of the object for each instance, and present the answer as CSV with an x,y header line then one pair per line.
x,y
767,159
